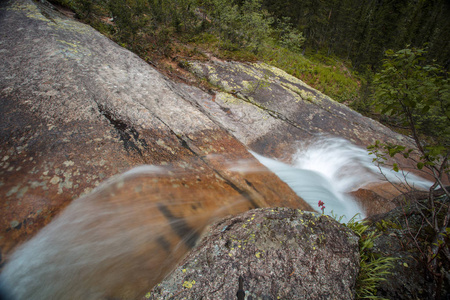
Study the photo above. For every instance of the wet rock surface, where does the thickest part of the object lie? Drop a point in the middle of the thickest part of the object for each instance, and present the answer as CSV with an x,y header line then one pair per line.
x,y
77,108
275,113
280,253
124,237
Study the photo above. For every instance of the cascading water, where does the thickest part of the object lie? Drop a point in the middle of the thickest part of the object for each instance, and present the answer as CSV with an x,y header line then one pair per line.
x,y
329,168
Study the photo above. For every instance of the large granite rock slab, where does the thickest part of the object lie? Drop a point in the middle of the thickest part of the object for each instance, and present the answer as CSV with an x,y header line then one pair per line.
x,y
77,108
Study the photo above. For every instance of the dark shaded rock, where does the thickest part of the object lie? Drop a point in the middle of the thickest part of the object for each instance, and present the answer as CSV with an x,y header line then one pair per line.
x,y
280,253
409,278
77,108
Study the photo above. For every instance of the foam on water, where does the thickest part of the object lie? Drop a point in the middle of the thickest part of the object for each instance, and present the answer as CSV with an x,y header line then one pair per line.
x,y
329,168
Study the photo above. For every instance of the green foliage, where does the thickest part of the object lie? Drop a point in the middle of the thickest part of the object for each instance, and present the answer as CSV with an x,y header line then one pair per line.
x,y
373,267
288,36
243,26
381,151
362,30
417,95
384,225
129,17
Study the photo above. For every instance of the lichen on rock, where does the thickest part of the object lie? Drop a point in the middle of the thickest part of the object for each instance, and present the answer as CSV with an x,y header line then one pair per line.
x,y
281,254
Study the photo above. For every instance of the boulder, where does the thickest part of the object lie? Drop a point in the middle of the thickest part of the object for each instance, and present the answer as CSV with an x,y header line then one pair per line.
x,y
280,253
404,234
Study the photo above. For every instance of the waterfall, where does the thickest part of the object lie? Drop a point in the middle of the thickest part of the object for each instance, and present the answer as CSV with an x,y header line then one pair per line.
x,y
329,168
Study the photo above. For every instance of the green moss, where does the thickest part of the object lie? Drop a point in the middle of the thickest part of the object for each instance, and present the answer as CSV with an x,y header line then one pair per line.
x,y
334,80
385,225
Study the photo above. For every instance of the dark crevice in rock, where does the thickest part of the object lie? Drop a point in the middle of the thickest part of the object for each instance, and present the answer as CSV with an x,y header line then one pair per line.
x,y
179,225
225,109
185,143
48,10
127,134
250,184
244,193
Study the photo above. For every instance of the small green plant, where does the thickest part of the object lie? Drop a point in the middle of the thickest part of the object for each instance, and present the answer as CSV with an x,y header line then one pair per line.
x,y
373,267
384,225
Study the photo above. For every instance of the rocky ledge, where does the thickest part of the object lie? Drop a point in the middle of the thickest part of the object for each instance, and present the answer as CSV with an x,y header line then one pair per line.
x,y
280,253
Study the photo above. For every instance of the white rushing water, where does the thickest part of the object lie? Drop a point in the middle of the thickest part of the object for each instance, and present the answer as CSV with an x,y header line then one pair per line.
x,y
328,169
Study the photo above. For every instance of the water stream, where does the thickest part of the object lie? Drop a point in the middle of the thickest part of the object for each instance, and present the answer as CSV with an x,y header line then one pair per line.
x,y
329,168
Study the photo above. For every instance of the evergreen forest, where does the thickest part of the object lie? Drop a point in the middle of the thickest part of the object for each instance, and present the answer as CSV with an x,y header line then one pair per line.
x,y
334,46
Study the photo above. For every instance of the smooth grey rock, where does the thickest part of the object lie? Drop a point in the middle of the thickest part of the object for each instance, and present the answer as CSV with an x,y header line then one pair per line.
x,y
269,110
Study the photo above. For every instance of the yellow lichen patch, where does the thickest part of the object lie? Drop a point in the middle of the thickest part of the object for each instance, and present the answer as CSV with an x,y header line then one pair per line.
x,y
30,10
227,86
188,284
228,98
148,295
281,74
74,49
69,25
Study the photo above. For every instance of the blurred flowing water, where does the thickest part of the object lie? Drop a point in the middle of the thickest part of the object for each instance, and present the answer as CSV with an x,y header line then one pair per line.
x,y
329,168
